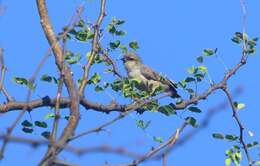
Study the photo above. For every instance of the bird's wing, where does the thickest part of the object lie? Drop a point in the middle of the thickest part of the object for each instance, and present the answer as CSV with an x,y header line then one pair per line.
x,y
150,74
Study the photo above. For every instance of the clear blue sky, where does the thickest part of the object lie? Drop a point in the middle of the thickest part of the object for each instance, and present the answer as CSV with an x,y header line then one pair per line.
x,y
171,34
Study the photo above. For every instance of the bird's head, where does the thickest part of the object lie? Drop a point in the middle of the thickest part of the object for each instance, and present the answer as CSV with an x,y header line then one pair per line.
x,y
131,57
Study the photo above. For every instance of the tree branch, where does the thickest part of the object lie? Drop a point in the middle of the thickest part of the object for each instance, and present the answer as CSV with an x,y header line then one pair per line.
x,y
69,82
95,48
169,143
239,123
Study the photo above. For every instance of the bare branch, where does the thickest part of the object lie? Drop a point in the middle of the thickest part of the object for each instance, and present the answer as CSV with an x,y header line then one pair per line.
x,y
110,60
69,82
211,112
101,127
78,151
240,125
63,163
94,50
2,77
170,142
9,132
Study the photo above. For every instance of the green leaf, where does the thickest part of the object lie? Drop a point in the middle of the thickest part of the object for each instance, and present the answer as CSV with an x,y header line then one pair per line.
x,y
257,162
99,59
27,130
72,58
191,91
203,69
123,49
251,51
192,121
190,79
116,85
251,43
49,115
142,124
238,157
236,40
200,59
218,136
115,44
73,32
236,147
46,78
153,106
194,109
199,77
20,80
116,21
49,79
23,81
158,139
120,33
231,137
183,84
253,144
88,54
167,110
192,70
228,161
229,152
95,79
239,106
239,35
41,124
82,36
134,45
98,88
80,23
80,81
90,35
244,36
208,52
26,123
111,28
46,134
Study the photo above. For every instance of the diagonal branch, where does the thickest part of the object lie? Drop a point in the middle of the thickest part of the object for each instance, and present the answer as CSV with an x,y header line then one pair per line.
x,y
68,80
95,48
169,143
240,125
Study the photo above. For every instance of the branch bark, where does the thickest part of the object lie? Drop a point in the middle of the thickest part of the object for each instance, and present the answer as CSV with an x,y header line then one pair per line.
x,y
69,82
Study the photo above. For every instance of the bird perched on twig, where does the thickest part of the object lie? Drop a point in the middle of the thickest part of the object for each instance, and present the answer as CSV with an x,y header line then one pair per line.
x,y
149,79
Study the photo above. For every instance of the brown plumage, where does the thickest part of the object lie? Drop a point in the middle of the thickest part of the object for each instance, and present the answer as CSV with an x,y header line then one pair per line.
x,y
136,69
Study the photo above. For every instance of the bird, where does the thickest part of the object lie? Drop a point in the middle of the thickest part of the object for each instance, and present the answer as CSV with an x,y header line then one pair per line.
x,y
149,79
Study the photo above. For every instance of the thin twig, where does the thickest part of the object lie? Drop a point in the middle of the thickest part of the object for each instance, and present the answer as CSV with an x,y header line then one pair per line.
x,y
211,112
101,127
35,143
63,163
110,60
94,50
240,125
2,76
164,160
52,151
9,132
170,142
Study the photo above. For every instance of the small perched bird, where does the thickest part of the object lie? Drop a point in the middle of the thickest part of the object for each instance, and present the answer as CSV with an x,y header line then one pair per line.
x,y
149,79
